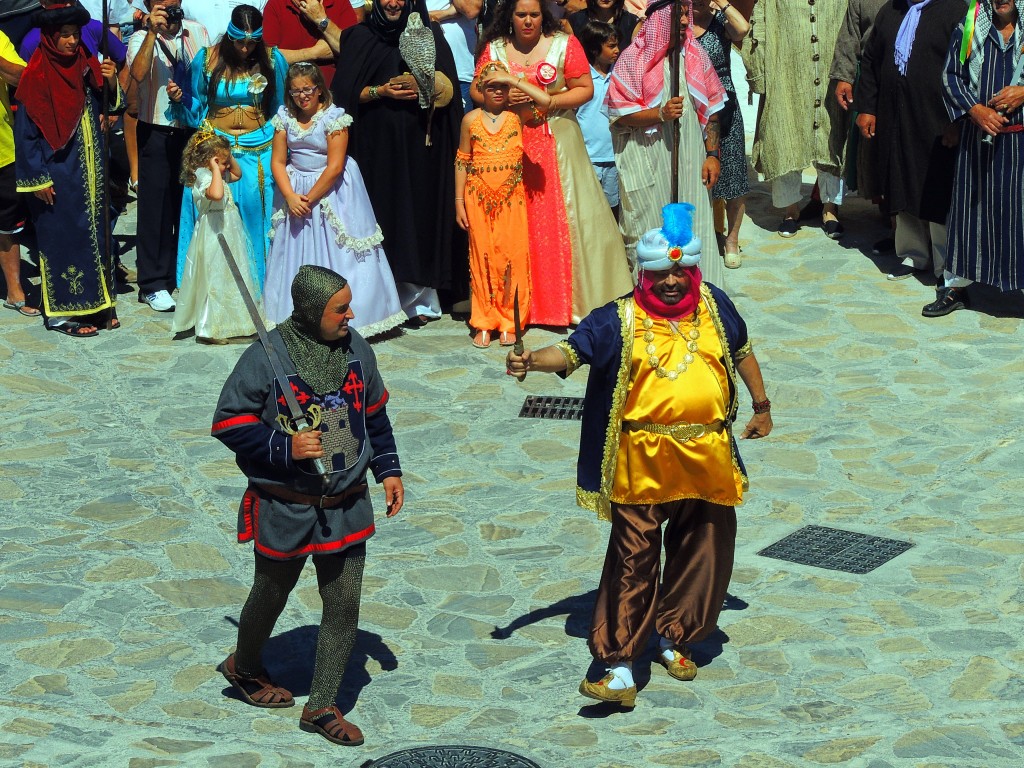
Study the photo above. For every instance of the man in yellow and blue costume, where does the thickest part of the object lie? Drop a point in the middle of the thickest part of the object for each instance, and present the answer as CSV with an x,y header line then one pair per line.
x,y
657,448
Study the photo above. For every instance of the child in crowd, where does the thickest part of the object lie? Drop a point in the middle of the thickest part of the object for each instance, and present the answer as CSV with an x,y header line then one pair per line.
x,y
208,298
322,213
490,203
600,43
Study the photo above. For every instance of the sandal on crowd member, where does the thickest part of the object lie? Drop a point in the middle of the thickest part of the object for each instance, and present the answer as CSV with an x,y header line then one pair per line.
x,y
21,308
106,319
733,260
257,689
330,724
72,328
482,339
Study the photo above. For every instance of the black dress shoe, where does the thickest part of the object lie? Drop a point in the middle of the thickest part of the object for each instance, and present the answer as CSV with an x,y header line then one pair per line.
x,y
947,300
833,229
788,227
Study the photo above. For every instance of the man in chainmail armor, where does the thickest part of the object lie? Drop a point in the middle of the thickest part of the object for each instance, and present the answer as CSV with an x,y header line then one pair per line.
x,y
290,511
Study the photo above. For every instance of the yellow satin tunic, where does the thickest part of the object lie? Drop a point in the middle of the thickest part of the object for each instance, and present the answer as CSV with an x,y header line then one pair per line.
x,y
652,468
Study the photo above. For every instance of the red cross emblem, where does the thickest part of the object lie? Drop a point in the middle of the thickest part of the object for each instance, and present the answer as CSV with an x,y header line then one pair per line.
x,y
353,386
301,397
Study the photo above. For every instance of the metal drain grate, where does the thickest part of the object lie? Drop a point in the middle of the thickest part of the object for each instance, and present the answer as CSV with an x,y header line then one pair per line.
x,y
835,549
450,757
545,407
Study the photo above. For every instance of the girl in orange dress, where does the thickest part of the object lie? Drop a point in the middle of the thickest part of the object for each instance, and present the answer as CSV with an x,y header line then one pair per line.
x,y
490,203
578,257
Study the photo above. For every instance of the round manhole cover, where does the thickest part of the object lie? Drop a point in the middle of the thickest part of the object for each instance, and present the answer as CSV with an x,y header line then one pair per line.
x,y
451,757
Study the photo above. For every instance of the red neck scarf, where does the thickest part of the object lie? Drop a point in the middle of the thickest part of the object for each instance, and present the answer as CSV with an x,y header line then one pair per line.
x,y
659,310
52,87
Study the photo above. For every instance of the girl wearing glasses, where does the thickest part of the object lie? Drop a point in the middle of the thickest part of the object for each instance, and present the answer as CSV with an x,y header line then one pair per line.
x,y
322,214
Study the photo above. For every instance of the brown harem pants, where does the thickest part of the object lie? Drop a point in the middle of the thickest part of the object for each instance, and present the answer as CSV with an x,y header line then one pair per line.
x,y
700,540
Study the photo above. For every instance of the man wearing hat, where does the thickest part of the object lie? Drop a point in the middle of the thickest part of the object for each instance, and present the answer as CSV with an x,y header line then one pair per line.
x,y
657,448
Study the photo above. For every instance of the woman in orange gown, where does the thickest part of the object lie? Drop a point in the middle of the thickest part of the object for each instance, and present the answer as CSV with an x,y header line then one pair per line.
x,y
578,261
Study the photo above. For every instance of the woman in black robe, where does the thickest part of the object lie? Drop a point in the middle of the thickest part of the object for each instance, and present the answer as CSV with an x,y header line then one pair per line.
x,y
410,180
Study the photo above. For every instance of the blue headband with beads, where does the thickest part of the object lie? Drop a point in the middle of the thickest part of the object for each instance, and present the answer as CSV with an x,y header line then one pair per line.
x,y
235,33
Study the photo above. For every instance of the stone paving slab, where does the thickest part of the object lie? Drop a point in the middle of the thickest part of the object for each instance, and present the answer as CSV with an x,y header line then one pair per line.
x,y
120,581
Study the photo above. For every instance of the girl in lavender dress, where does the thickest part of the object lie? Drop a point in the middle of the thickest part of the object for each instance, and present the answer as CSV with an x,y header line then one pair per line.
x,y
322,214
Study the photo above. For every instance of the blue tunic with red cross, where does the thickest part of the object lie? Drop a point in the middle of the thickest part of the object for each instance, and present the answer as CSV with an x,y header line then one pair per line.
x,y
356,434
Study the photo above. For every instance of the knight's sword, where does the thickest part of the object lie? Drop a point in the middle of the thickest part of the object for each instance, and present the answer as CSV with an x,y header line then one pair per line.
x,y
300,421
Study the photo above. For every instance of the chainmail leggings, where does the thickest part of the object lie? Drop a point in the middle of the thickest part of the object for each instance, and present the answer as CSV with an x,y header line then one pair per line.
x,y
340,579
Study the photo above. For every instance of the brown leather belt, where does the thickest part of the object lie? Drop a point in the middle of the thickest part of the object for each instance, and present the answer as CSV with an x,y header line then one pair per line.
x,y
323,502
683,432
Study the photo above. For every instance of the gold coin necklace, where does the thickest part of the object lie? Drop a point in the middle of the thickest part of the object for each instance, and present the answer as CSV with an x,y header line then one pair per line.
x,y
690,336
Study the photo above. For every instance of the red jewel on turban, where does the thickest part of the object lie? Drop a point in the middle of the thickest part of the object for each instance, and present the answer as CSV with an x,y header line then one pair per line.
x,y
675,253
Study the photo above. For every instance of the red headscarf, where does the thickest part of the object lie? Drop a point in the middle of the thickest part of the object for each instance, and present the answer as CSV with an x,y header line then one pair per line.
x,y
638,78
52,87
658,309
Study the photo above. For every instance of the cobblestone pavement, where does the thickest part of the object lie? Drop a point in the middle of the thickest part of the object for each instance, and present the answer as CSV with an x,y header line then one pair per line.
x,y
120,581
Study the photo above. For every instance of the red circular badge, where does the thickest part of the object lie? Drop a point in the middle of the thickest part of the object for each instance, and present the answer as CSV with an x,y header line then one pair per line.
x,y
546,73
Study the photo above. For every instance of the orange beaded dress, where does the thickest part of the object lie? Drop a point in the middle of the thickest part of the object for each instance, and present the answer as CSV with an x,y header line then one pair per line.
x,y
499,236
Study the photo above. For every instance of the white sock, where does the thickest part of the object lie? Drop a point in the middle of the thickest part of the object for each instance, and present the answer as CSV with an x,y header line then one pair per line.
x,y
666,647
622,676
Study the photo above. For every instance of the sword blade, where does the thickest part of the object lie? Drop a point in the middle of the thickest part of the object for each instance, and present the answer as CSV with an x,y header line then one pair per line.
x,y
298,416
518,348
517,322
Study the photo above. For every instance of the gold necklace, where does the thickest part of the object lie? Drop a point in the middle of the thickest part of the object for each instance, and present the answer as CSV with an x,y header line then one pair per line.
x,y
690,336
526,56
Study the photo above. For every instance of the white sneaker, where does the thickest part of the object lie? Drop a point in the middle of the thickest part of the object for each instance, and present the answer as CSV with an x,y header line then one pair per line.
x,y
159,301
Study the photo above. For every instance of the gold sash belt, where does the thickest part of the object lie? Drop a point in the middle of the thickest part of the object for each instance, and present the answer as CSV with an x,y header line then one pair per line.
x,y
682,432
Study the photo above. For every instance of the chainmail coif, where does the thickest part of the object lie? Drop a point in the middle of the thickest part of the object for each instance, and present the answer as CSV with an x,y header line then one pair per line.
x,y
321,364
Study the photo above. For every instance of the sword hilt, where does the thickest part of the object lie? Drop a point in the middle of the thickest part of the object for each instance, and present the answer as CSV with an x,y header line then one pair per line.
x,y
318,464
518,348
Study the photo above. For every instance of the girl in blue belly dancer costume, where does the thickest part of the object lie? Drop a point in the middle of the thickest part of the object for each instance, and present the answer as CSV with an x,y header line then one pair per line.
x,y
236,87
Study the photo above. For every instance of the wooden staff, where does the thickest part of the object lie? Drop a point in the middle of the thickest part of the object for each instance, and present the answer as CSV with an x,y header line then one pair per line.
x,y
674,52
108,255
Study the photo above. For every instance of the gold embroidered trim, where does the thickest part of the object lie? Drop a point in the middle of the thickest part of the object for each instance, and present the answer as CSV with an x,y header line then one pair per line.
x,y
572,360
493,200
611,441
592,500
35,184
745,351
730,369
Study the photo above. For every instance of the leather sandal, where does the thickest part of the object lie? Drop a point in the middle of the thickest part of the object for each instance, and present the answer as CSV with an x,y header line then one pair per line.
x,y
256,690
482,339
330,724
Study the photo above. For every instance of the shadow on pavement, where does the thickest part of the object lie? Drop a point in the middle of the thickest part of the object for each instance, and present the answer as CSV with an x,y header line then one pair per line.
x,y
289,657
